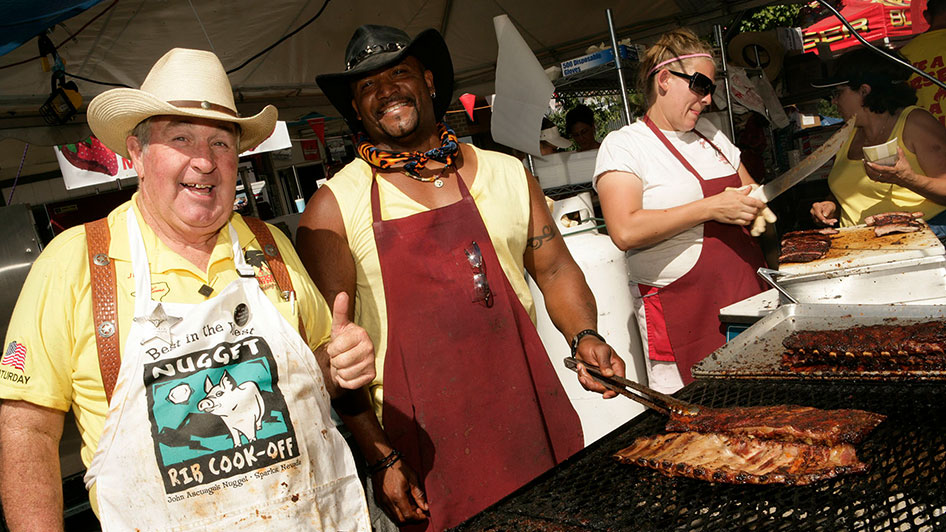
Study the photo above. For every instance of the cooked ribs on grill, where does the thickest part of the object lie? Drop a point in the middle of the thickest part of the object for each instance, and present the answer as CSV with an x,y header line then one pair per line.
x,y
787,423
737,460
918,347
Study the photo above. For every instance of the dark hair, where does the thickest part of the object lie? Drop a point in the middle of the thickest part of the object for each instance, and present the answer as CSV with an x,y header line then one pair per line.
x,y
935,8
887,79
581,113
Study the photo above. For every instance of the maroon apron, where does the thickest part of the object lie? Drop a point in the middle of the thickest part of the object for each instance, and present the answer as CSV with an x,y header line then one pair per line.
x,y
724,273
470,396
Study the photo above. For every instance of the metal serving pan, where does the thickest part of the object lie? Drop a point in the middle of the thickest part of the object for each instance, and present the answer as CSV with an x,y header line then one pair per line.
x,y
757,352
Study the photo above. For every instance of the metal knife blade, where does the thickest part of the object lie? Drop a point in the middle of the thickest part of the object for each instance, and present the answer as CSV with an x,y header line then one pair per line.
x,y
803,169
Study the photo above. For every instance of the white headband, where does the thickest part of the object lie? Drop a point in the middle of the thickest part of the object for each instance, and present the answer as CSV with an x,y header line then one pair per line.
x,y
672,59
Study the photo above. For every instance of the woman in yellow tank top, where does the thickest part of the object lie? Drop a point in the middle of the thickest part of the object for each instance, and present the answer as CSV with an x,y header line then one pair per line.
x,y
875,91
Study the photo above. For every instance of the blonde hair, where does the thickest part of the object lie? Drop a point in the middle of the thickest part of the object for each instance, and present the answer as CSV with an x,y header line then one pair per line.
x,y
674,43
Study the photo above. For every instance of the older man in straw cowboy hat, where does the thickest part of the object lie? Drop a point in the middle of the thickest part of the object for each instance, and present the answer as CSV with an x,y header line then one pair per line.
x,y
433,236
176,330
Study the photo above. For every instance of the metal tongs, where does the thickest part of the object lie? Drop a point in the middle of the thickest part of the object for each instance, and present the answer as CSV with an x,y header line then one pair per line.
x,y
652,398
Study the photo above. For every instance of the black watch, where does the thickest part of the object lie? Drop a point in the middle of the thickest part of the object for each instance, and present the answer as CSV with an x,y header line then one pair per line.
x,y
583,334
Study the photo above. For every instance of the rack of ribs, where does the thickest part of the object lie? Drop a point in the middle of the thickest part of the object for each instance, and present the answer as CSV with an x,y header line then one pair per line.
x,y
787,423
895,222
784,444
911,347
740,460
805,246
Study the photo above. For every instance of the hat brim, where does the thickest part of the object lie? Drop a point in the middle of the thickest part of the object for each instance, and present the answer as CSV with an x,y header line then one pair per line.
x,y
826,83
552,136
113,115
428,46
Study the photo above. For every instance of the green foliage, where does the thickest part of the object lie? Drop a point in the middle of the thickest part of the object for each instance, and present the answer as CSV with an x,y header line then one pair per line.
x,y
771,17
608,111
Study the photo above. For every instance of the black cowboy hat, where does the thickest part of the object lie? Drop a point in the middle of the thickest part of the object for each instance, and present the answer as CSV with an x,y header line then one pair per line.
x,y
865,66
373,47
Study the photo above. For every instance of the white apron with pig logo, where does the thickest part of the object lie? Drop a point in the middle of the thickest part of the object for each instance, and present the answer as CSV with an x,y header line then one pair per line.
x,y
220,420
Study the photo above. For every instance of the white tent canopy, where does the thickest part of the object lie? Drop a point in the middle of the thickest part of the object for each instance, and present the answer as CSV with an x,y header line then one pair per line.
x,y
125,39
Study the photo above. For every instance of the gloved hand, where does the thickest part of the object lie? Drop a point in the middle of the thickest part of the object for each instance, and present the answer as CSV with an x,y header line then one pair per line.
x,y
765,215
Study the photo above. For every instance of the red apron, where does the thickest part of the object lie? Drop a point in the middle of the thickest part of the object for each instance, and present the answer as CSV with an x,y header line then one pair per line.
x,y
470,396
724,273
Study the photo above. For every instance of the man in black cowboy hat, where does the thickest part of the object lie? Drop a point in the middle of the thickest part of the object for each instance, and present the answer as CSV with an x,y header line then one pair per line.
x,y
431,237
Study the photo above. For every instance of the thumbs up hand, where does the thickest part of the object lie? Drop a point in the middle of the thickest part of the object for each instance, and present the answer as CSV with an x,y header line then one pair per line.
x,y
351,353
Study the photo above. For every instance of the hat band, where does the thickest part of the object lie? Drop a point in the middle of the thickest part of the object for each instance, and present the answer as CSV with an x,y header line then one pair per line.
x,y
204,104
372,49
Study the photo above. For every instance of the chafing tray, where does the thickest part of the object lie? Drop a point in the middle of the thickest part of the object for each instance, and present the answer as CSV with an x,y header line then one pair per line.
x,y
757,352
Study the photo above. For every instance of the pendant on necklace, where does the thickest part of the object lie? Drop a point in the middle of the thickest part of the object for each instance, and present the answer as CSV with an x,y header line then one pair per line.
x,y
438,183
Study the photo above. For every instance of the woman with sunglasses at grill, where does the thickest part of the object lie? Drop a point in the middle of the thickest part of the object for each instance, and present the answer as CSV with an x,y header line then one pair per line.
x,y
875,91
674,196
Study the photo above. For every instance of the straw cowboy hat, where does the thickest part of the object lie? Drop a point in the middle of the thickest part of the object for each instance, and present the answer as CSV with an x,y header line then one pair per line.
x,y
188,83
374,47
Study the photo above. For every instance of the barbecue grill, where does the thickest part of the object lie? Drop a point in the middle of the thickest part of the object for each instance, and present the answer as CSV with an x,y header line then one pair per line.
x,y
905,488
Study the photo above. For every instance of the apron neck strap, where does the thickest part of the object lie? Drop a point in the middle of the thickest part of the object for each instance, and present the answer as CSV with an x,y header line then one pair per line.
x,y
376,196
666,142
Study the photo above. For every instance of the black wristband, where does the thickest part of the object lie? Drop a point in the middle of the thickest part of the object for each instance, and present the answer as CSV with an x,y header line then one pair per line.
x,y
385,462
583,334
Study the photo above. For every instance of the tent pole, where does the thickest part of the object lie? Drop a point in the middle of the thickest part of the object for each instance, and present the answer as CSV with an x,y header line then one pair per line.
x,y
617,65
718,32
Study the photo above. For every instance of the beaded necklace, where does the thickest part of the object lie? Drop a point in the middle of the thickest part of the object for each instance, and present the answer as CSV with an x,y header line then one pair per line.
x,y
412,162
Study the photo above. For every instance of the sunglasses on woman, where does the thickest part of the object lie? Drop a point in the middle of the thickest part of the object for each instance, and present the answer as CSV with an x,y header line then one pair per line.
x,y
699,83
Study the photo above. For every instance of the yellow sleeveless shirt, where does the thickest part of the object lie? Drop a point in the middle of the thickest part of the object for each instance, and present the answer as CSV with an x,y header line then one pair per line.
x,y
859,196
501,194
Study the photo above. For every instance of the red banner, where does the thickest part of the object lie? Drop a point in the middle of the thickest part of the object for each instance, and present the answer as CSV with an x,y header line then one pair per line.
x,y
318,126
873,20
310,150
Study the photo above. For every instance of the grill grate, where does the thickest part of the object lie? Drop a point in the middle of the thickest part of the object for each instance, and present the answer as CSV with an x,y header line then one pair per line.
x,y
905,489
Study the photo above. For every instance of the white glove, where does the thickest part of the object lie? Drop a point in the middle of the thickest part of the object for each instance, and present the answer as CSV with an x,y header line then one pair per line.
x,y
765,215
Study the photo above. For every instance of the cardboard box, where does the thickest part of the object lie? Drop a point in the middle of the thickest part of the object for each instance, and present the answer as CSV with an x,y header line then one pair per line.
x,y
601,57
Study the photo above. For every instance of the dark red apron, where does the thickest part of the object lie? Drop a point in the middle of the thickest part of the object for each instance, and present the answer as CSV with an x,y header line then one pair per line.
x,y
470,396
724,273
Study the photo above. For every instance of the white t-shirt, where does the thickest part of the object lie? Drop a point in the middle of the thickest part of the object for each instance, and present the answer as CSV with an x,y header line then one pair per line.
x,y
666,183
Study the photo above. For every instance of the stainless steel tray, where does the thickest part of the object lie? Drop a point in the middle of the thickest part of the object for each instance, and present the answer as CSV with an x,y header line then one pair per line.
x,y
757,352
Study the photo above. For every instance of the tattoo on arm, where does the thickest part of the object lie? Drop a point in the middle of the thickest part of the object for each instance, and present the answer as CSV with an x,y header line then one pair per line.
x,y
535,242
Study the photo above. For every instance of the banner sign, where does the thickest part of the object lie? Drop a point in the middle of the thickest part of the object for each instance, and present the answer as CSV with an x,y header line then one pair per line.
x,y
310,150
88,162
874,20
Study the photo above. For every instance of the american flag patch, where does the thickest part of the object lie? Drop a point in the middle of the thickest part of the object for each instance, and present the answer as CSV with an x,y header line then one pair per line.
x,y
15,355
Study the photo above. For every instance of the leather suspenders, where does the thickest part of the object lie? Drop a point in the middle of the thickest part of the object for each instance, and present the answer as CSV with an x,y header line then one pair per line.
x,y
276,264
104,302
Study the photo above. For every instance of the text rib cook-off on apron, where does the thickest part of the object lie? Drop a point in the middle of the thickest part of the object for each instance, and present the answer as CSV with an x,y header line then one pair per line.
x,y
470,396
226,427
724,273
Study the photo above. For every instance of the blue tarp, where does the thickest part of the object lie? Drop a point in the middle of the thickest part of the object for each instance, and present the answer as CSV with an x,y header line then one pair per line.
x,y
24,19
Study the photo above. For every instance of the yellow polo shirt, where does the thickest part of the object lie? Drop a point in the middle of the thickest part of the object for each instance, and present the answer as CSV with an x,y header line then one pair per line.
x,y
52,320
501,194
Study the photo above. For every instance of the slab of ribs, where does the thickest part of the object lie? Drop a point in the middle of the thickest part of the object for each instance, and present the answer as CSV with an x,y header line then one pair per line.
x,y
805,246
782,444
908,347
812,244
895,222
